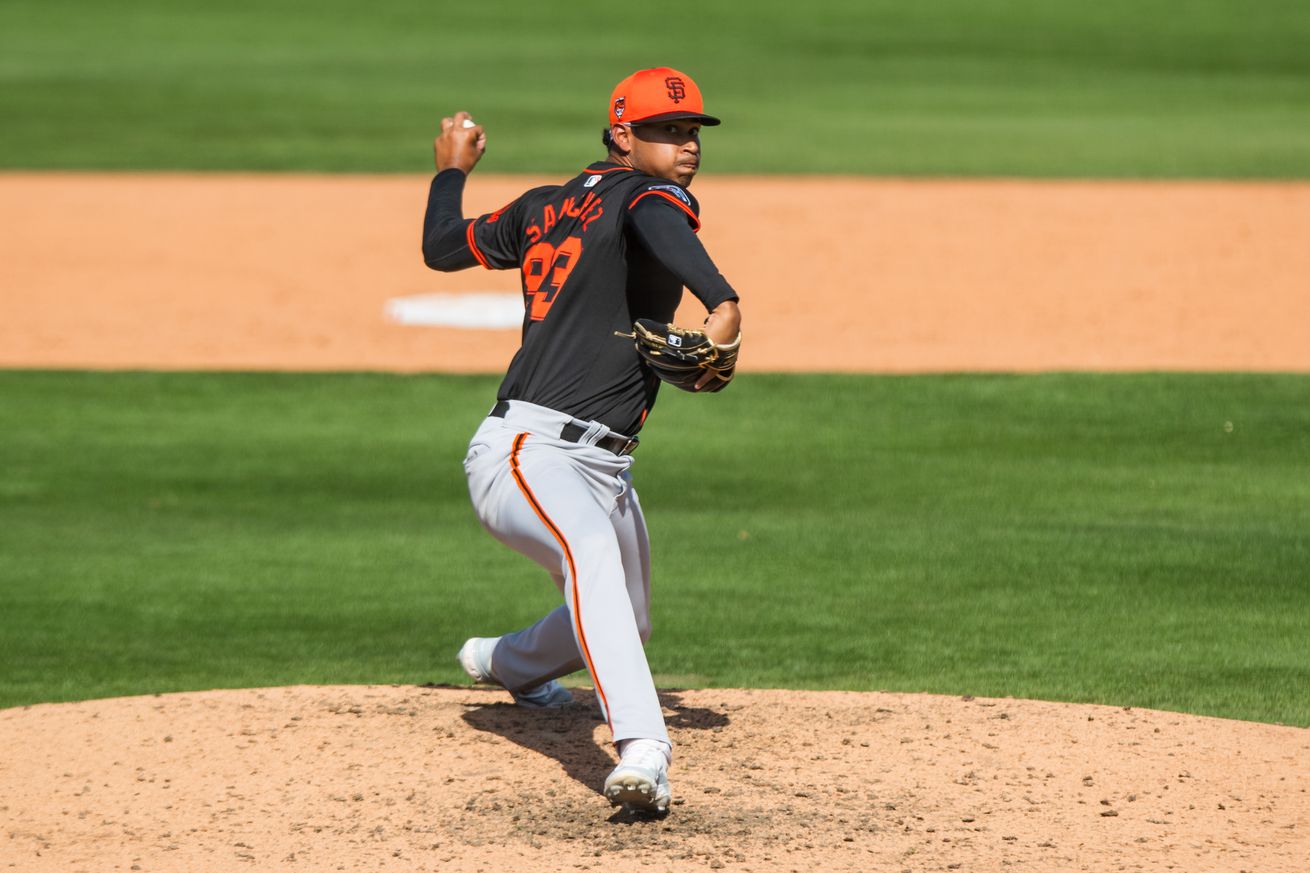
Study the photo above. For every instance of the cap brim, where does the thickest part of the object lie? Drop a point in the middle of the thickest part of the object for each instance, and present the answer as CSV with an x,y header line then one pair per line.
x,y
706,120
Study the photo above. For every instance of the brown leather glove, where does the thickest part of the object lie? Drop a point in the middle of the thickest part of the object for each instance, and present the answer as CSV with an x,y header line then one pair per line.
x,y
681,357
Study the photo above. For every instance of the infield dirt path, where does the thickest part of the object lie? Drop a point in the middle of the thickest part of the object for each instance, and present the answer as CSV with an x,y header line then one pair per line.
x,y
836,274
294,272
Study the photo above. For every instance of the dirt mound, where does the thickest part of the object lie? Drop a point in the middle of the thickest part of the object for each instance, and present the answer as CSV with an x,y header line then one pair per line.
x,y
426,779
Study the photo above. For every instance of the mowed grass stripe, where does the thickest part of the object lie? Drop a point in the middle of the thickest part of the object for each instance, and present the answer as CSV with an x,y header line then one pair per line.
x,y
1138,540
1212,88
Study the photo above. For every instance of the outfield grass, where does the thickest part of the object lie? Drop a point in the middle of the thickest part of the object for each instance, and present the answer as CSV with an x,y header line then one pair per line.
x,y
1129,539
1172,88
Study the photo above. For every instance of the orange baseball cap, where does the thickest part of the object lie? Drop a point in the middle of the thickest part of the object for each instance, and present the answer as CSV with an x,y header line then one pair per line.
x,y
657,94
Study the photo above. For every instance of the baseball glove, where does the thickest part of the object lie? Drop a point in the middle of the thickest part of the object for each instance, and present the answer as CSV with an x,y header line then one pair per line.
x,y
681,357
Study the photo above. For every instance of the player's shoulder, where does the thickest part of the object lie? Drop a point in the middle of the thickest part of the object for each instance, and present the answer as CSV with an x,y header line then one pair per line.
x,y
540,193
603,177
514,210
646,187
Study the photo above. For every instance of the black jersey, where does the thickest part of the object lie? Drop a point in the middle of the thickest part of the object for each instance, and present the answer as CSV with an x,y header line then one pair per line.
x,y
586,276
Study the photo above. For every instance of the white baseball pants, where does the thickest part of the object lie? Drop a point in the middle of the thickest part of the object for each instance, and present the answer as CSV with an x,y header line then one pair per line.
x,y
572,508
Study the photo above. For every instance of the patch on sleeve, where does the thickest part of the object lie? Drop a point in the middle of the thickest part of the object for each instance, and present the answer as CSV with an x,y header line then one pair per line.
x,y
672,189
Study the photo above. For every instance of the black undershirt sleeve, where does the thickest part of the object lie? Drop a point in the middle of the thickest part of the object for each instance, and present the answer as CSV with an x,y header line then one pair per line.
x,y
445,244
664,232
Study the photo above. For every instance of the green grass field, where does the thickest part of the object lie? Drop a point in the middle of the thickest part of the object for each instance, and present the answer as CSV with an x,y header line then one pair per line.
x,y
1150,88
1130,539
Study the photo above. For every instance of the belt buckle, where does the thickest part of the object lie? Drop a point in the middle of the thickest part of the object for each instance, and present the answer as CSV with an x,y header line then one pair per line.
x,y
629,447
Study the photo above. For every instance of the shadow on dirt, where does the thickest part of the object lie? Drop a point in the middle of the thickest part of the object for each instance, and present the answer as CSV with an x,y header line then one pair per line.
x,y
566,734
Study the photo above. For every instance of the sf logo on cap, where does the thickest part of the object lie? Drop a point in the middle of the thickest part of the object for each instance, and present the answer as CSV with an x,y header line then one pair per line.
x,y
677,90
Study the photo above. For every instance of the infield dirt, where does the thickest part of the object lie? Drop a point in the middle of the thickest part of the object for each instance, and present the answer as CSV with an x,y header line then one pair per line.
x,y
239,272
836,274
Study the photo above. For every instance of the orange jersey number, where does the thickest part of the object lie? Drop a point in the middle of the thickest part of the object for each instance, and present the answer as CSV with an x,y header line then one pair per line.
x,y
545,270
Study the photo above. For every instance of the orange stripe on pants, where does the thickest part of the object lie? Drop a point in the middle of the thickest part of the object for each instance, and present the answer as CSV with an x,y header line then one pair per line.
x,y
568,556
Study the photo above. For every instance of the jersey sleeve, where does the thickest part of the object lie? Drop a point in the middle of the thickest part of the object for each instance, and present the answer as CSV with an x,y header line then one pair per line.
x,y
444,246
665,234
669,195
494,238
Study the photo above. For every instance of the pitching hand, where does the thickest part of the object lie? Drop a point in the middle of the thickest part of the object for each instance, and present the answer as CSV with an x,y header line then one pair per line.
x,y
457,145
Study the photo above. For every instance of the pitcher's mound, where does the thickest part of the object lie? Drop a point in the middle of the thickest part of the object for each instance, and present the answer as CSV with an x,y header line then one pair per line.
x,y
428,779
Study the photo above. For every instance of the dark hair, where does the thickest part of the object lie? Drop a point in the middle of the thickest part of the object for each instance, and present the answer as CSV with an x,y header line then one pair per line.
x,y
605,139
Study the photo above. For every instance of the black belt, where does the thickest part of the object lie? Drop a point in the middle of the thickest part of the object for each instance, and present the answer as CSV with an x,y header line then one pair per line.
x,y
619,445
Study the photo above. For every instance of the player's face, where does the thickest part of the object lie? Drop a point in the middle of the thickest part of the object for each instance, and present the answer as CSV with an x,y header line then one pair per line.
x,y
667,149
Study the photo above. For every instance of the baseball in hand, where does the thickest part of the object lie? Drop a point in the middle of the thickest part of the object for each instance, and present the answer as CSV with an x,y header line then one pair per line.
x,y
468,122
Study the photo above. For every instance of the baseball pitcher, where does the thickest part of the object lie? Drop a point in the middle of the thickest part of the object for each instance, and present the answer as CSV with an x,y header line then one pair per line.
x,y
603,260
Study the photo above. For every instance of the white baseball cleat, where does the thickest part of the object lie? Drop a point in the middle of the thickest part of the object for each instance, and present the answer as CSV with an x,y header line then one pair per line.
x,y
641,779
475,657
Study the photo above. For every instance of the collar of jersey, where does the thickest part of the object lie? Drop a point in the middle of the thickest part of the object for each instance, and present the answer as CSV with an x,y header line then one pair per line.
x,y
600,167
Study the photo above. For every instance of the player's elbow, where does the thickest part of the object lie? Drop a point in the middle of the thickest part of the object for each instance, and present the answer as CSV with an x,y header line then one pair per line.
x,y
445,246
643,629
442,262
447,257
